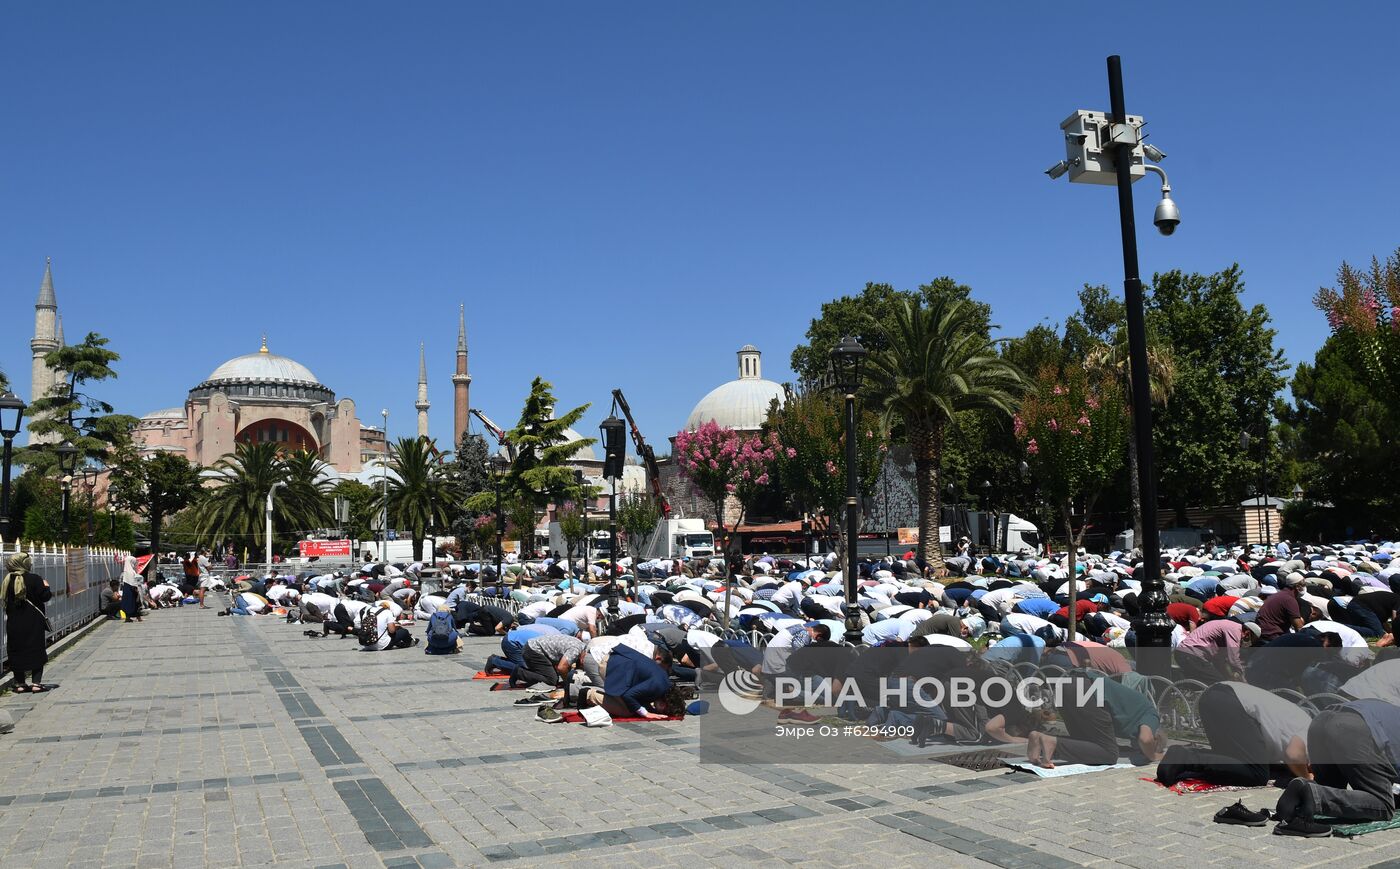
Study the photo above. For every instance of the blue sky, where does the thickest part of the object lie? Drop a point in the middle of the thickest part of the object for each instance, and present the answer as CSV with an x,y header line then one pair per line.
x,y
623,194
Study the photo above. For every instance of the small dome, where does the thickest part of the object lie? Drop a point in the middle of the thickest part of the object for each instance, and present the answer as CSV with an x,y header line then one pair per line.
x,y
263,366
740,404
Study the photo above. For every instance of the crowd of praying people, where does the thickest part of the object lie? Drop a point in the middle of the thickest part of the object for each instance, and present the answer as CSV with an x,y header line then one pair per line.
x,y
1249,627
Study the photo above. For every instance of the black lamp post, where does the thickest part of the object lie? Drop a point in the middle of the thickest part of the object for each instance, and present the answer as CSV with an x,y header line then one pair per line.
x,y
90,483
67,459
1154,627
987,508
583,512
846,360
11,414
615,447
500,532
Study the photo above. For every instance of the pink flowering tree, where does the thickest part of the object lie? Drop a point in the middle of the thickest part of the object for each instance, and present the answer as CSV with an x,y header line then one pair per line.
x,y
1075,429
1363,310
720,463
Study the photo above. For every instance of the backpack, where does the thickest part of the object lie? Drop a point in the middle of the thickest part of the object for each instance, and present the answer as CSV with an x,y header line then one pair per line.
x,y
368,631
440,629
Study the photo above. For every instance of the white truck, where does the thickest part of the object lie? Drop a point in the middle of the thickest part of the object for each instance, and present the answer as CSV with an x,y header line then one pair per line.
x,y
597,543
677,538
397,550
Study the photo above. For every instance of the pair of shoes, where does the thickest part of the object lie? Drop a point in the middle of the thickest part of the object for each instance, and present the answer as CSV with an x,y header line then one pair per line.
x,y
222,612
1241,816
549,715
533,701
415,641
1303,827
312,634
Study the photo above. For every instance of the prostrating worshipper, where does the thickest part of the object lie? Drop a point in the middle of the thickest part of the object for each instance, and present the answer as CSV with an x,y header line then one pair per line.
x,y
247,603
1355,754
1281,613
512,657
381,630
344,615
165,595
1094,728
1211,652
549,659
441,637
1251,732
635,685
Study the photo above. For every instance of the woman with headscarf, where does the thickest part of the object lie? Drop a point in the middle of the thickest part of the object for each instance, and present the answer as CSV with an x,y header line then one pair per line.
x,y
131,590
24,594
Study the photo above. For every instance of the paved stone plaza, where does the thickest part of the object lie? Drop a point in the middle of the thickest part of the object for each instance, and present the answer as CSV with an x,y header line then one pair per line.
x,y
192,740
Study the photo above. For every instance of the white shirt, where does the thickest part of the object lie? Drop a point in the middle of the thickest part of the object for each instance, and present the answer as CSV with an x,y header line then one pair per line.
x,y
324,602
537,609
1001,599
428,604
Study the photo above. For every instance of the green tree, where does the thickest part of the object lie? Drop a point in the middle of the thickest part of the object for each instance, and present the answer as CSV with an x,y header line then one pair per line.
x,y
866,316
420,492
1227,375
541,472
637,516
233,509
937,361
362,504
71,413
155,486
811,426
1340,432
470,474
1074,426
1363,310
38,500
1110,363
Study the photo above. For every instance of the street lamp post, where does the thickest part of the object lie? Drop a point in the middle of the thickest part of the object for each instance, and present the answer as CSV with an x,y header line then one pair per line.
x,y
11,414
90,483
267,518
885,472
583,513
614,446
384,485
1099,148
987,508
500,532
846,360
67,460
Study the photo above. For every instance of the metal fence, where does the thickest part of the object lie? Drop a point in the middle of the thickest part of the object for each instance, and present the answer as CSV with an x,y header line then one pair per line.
x,y
76,579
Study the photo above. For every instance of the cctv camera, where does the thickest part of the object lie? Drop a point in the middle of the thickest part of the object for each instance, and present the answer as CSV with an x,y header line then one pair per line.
x,y
1167,216
1155,154
1057,170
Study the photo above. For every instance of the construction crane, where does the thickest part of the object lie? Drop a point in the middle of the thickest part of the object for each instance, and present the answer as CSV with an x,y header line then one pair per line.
x,y
497,431
648,456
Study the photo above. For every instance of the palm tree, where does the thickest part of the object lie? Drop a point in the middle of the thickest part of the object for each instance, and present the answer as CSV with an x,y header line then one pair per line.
x,y
233,510
420,491
308,500
936,363
1110,361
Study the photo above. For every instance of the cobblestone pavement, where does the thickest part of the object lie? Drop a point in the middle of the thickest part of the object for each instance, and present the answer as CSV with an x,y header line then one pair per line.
x,y
192,740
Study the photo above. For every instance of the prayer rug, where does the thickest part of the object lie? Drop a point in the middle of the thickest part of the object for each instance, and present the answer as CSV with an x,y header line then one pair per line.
x,y
1351,831
482,674
1064,769
1197,786
572,717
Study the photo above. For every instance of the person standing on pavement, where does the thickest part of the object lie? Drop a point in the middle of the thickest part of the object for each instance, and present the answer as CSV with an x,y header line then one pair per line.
x,y
24,594
131,590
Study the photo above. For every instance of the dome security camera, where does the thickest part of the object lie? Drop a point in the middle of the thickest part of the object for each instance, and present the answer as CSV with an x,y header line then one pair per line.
x,y
1167,216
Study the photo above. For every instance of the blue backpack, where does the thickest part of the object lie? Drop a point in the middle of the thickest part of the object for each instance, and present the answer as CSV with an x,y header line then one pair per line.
x,y
440,630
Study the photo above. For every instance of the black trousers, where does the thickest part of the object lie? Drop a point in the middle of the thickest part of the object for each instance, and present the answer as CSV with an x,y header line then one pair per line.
x,y
538,668
1091,739
1236,743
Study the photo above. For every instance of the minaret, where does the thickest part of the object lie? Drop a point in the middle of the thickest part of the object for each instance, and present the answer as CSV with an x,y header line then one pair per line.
x,y
461,382
44,342
422,403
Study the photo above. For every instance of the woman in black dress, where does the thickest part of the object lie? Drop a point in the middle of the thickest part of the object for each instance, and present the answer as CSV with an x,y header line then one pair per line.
x,y
24,594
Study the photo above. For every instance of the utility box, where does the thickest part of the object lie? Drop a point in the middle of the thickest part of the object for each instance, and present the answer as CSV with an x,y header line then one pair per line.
x,y
1124,542
1090,142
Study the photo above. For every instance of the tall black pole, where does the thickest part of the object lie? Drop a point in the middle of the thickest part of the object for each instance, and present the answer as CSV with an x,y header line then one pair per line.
x,y
1153,628
852,524
5,494
63,525
500,535
1268,508
612,547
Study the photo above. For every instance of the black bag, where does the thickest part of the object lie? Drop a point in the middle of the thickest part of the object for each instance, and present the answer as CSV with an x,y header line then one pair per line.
x,y
368,631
